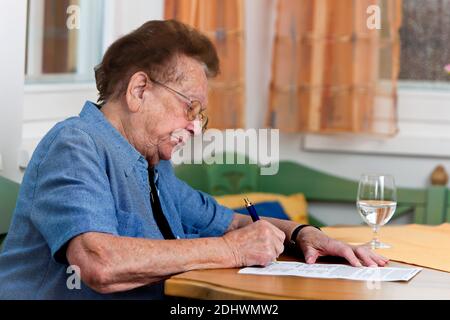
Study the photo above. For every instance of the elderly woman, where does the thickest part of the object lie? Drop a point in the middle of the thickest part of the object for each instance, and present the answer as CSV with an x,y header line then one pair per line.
x,y
101,195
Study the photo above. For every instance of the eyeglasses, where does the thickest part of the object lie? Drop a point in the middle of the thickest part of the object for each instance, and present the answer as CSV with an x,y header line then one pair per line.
x,y
194,107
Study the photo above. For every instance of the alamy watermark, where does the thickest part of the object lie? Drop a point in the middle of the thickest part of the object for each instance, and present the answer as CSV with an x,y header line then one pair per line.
x,y
374,281
374,20
252,146
74,278
74,17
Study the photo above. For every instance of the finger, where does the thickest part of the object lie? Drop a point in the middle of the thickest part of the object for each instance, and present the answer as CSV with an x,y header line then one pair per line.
x,y
275,237
267,231
311,255
380,260
272,229
378,256
279,248
366,257
350,256
274,254
383,257
280,234
283,236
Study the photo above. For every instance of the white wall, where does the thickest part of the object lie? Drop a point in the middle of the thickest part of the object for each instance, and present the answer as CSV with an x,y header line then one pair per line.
x,y
409,171
124,15
12,55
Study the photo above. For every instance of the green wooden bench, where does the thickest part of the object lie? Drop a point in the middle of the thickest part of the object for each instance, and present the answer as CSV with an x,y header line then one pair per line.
x,y
8,195
429,206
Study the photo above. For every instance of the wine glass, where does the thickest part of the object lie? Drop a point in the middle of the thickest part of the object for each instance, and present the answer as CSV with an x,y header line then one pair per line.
x,y
376,203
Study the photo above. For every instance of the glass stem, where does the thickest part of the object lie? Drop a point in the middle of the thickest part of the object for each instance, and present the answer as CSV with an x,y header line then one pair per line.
x,y
375,234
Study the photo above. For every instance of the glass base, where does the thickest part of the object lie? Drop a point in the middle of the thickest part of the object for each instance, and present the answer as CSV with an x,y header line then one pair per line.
x,y
375,244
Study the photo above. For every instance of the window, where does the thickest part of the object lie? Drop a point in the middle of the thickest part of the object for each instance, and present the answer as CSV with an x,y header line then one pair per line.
x,y
64,40
423,112
425,43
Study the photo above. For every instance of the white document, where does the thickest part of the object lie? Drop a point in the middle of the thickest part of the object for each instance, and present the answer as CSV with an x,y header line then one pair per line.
x,y
333,271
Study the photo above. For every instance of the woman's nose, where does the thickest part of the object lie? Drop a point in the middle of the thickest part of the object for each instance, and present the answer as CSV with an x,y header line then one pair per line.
x,y
195,127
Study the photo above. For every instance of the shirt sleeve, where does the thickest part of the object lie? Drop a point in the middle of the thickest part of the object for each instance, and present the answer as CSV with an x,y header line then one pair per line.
x,y
72,194
201,215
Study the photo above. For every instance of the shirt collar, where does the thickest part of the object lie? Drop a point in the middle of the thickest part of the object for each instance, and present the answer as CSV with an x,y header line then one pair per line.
x,y
128,154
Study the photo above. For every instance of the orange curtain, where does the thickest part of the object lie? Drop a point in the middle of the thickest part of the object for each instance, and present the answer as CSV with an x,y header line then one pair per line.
x,y
222,21
330,72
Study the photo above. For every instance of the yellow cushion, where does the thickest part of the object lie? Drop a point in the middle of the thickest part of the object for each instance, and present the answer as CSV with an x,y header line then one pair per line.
x,y
294,205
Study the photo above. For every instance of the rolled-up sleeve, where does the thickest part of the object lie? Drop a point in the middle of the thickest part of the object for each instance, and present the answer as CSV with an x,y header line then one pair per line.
x,y
72,194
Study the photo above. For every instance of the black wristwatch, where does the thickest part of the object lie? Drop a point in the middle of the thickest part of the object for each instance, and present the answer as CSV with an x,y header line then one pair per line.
x,y
293,240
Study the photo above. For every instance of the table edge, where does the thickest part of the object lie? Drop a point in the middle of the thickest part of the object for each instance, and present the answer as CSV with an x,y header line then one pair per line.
x,y
205,290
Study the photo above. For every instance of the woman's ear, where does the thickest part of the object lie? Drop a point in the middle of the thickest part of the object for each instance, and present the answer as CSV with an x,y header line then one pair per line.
x,y
135,90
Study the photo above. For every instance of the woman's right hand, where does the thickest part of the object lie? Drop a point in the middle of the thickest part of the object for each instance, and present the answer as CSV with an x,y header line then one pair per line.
x,y
258,243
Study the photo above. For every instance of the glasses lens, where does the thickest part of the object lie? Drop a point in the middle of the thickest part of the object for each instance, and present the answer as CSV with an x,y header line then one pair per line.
x,y
195,112
195,109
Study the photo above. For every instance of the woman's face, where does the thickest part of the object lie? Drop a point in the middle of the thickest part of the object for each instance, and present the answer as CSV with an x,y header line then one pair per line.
x,y
167,123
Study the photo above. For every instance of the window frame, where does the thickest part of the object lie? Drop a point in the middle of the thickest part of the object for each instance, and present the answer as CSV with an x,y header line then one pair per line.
x,y
35,37
424,129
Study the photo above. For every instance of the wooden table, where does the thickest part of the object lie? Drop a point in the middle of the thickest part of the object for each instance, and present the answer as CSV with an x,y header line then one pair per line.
x,y
228,284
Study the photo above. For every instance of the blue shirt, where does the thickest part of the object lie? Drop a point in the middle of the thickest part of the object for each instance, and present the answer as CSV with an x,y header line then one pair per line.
x,y
84,176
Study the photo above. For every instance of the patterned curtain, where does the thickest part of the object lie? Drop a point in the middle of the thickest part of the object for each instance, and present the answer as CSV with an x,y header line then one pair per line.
x,y
330,72
222,21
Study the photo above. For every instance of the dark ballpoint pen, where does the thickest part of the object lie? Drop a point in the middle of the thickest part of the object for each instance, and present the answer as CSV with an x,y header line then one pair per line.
x,y
251,210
